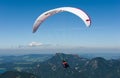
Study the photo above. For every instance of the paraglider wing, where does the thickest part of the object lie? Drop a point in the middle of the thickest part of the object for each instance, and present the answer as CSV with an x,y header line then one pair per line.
x,y
75,11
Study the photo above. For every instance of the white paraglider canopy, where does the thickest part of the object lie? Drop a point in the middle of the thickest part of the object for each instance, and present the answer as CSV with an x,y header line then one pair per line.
x,y
73,10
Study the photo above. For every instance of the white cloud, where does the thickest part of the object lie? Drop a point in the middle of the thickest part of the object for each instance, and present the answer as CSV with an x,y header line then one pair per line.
x,y
31,44
35,44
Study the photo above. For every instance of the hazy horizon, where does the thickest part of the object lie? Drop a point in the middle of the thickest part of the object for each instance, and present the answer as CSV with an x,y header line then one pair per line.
x,y
21,51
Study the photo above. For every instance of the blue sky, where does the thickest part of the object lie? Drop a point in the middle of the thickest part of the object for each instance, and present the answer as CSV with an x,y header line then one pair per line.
x,y
63,30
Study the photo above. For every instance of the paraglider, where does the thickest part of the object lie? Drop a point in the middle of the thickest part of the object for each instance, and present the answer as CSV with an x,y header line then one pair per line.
x,y
65,64
73,10
78,12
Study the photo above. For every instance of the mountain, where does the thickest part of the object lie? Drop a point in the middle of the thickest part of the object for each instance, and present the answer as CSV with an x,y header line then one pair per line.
x,y
80,67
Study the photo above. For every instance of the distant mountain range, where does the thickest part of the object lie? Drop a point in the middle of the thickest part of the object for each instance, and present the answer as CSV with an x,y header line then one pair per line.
x,y
25,58
51,67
